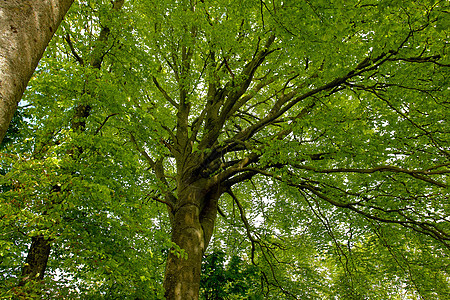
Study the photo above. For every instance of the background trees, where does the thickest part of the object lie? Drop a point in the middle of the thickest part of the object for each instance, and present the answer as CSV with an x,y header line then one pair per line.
x,y
309,139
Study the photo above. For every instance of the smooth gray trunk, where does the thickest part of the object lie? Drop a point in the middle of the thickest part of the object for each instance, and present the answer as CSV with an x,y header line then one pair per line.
x,y
26,27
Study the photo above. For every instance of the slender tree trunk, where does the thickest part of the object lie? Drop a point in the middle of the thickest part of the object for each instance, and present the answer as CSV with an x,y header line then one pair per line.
x,y
36,261
192,227
26,27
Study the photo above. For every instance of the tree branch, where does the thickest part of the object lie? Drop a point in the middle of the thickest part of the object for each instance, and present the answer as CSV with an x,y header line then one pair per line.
x,y
170,205
419,174
72,49
244,220
419,226
164,93
103,123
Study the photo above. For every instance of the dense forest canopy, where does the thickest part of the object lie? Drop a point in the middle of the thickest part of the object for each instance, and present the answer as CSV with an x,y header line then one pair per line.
x,y
233,150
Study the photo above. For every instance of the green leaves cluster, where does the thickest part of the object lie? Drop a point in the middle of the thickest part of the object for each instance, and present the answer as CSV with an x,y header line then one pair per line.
x,y
333,142
229,278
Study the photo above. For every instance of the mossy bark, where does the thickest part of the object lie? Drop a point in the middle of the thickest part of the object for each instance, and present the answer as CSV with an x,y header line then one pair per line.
x,y
192,226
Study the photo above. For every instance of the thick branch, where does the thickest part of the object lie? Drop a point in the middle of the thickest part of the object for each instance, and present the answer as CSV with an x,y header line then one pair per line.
x,y
158,168
227,98
236,168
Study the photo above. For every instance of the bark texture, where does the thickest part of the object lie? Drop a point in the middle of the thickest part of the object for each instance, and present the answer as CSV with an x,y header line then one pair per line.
x,y
192,227
36,261
26,28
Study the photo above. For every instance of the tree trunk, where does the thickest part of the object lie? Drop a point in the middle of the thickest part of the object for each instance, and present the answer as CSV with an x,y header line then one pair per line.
x,y
26,27
37,259
192,227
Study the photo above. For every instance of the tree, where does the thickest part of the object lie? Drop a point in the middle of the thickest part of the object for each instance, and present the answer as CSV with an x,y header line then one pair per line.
x,y
322,126
67,193
25,30
40,248
320,96
58,192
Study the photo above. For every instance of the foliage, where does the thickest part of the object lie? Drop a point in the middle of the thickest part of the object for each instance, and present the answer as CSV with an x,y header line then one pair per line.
x,y
323,124
233,279
90,202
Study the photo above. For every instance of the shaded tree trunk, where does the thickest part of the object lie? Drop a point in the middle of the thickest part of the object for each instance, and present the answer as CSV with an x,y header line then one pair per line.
x,y
26,28
192,227
36,261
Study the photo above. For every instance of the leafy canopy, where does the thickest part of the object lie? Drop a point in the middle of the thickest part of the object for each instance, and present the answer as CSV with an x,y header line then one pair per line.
x,y
326,121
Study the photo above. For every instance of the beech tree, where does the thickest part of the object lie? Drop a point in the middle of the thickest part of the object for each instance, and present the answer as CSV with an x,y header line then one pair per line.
x,y
25,30
316,131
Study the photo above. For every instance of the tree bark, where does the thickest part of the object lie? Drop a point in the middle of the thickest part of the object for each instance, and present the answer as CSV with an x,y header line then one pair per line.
x,y
192,227
26,28
36,261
